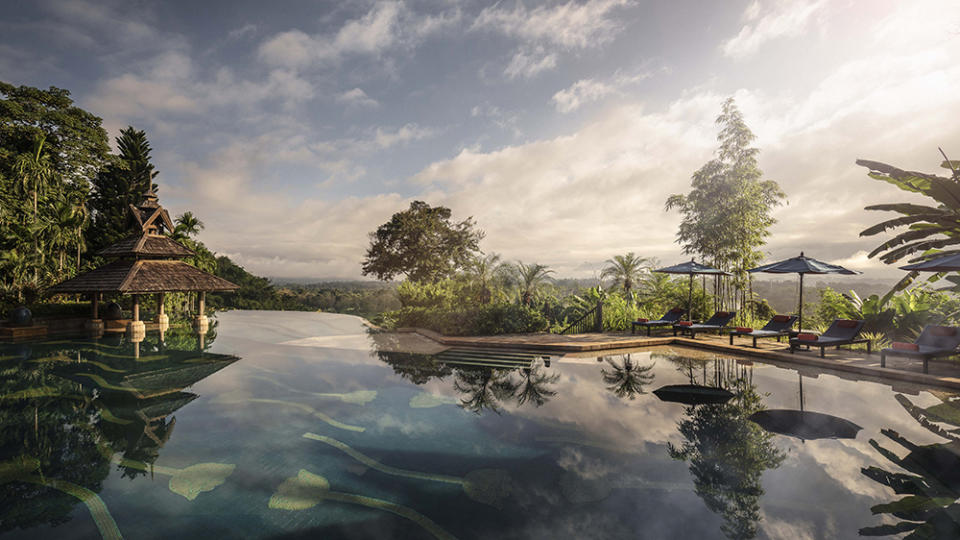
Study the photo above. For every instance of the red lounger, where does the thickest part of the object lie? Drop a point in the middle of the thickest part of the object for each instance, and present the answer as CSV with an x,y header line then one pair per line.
x,y
935,341
841,332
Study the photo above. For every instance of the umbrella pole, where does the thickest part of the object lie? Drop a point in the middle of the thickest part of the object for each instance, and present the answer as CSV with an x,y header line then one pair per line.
x,y
800,375
800,307
690,298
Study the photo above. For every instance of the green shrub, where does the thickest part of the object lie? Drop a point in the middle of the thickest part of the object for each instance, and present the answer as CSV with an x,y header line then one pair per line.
x,y
491,319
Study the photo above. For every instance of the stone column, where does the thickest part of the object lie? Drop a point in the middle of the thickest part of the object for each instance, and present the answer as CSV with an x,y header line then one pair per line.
x,y
163,321
136,330
94,326
200,322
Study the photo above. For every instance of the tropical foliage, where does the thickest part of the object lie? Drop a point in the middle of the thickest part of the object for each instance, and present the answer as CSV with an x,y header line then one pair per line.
x,y
932,229
64,197
727,214
626,271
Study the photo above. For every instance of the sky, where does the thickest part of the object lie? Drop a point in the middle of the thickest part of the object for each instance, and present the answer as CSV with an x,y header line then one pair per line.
x,y
293,129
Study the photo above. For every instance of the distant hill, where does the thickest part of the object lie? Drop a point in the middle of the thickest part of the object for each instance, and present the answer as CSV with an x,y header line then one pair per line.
x,y
333,283
782,293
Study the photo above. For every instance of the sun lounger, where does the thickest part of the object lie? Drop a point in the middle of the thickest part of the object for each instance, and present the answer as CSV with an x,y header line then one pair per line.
x,y
778,327
935,341
841,332
718,322
668,319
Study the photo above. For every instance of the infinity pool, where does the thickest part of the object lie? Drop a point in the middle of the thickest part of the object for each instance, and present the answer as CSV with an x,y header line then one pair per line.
x,y
293,425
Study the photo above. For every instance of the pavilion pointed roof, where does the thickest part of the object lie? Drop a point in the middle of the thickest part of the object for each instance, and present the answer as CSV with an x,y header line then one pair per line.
x,y
147,261
147,246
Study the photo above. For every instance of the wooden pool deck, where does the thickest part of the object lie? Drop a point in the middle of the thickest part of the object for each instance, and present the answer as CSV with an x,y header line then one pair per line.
x,y
943,373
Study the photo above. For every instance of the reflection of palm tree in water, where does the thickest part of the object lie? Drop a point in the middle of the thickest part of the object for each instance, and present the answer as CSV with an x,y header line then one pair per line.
x,y
728,454
627,378
930,508
534,386
484,388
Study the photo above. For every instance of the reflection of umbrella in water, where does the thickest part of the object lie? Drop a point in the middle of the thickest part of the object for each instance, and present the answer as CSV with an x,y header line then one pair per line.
x,y
805,424
691,268
802,265
693,394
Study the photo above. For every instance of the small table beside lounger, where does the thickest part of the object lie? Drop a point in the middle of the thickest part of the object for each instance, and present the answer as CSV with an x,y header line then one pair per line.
x,y
778,327
668,319
933,342
841,332
718,322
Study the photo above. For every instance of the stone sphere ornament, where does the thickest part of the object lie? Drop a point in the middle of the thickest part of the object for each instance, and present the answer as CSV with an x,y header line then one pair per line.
x,y
113,312
21,316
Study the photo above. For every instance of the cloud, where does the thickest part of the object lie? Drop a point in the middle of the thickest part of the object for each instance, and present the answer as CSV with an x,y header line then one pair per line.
x,y
170,83
506,120
241,32
387,27
582,91
357,98
570,26
545,31
530,63
778,19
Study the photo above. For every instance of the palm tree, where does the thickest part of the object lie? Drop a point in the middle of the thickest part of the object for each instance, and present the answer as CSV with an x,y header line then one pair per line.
x,y
529,278
483,388
486,272
535,386
626,271
80,216
627,378
60,233
189,224
35,170
930,228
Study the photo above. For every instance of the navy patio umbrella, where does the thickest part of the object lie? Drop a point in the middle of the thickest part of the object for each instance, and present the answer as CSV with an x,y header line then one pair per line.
x,y
948,263
692,267
802,265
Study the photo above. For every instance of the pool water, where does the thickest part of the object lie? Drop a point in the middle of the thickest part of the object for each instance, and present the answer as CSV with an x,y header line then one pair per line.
x,y
290,425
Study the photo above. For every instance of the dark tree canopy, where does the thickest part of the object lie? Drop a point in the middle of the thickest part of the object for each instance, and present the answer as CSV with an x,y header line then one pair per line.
x,y
422,244
76,141
121,183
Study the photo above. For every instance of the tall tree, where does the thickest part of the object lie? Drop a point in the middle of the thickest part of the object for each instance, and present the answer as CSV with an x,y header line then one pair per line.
x,y
728,212
74,138
529,278
421,243
626,271
48,148
121,183
35,170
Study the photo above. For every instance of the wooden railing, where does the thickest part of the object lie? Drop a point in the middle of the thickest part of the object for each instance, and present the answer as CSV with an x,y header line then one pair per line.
x,y
591,321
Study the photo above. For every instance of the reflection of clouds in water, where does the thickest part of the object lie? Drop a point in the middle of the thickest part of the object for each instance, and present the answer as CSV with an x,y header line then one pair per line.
x,y
388,423
777,529
575,461
842,460
599,416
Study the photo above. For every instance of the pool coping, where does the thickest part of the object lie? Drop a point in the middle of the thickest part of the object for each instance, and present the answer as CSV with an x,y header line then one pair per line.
x,y
617,342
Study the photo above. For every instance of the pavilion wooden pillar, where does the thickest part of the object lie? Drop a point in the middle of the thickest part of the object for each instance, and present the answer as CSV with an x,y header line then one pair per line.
x,y
136,330
94,326
200,322
163,321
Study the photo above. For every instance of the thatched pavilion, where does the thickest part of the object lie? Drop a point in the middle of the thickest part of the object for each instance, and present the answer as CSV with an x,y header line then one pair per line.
x,y
147,262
